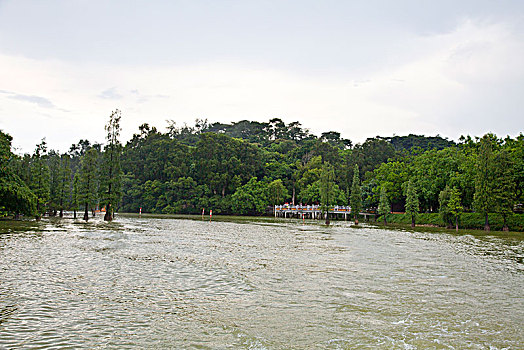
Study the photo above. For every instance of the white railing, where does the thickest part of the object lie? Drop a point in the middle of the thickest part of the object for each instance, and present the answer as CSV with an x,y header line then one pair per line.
x,y
289,207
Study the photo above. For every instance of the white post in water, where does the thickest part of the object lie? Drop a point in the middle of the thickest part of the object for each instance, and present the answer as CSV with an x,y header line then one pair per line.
x,y
140,212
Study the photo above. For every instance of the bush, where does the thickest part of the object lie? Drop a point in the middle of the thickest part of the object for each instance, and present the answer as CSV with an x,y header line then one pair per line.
x,y
467,220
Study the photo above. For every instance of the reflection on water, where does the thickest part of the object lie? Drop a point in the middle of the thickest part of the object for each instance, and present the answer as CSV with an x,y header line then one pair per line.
x,y
257,284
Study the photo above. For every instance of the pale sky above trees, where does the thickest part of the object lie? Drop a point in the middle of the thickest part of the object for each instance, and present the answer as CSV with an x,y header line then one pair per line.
x,y
363,68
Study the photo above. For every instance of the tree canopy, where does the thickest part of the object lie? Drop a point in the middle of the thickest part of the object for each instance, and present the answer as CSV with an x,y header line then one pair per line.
x,y
246,167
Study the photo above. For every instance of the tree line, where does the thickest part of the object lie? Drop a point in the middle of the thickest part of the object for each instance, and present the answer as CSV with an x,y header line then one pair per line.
x,y
245,167
85,178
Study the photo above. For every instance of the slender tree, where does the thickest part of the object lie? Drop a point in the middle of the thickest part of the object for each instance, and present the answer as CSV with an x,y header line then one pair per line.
x,y
412,204
356,195
53,162
40,178
110,177
75,195
444,210
87,182
484,200
384,207
64,183
327,194
504,192
454,206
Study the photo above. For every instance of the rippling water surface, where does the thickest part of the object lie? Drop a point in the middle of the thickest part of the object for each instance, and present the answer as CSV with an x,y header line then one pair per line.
x,y
157,282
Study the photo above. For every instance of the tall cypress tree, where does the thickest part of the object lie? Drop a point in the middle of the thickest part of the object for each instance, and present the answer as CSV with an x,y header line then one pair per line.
x,y
356,195
384,207
484,199
443,200
327,193
64,183
110,177
75,196
87,183
40,178
412,203
454,206
504,191
53,162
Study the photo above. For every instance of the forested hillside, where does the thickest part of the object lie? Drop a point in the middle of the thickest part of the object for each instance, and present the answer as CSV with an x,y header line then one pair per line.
x,y
244,167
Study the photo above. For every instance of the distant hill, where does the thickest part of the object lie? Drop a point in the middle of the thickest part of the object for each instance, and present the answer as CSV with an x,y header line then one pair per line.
x,y
424,142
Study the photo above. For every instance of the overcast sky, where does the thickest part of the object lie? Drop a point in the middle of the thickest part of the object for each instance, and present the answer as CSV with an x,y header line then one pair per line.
x,y
363,68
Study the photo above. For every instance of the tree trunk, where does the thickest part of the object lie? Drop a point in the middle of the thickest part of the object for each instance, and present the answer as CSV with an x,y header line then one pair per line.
x,y
456,223
86,213
412,221
61,212
385,221
38,216
109,213
356,219
293,198
327,218
74,213
486,223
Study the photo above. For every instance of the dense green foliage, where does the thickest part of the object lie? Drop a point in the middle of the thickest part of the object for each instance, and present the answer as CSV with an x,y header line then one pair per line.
x,y
246,167
419,141
15,195
355,200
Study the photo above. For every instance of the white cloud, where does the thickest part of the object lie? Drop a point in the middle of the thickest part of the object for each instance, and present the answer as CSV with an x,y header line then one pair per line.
x,y
447,84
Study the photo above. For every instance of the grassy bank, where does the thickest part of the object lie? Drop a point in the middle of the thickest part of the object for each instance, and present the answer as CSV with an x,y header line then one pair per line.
x,y
467,220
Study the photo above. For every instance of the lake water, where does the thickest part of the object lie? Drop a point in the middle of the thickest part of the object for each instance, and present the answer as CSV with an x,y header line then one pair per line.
x,y
157,282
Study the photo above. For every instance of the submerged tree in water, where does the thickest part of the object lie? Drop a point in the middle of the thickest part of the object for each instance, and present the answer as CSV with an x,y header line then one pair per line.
x,y
88,182
40,178
64,183
110,177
